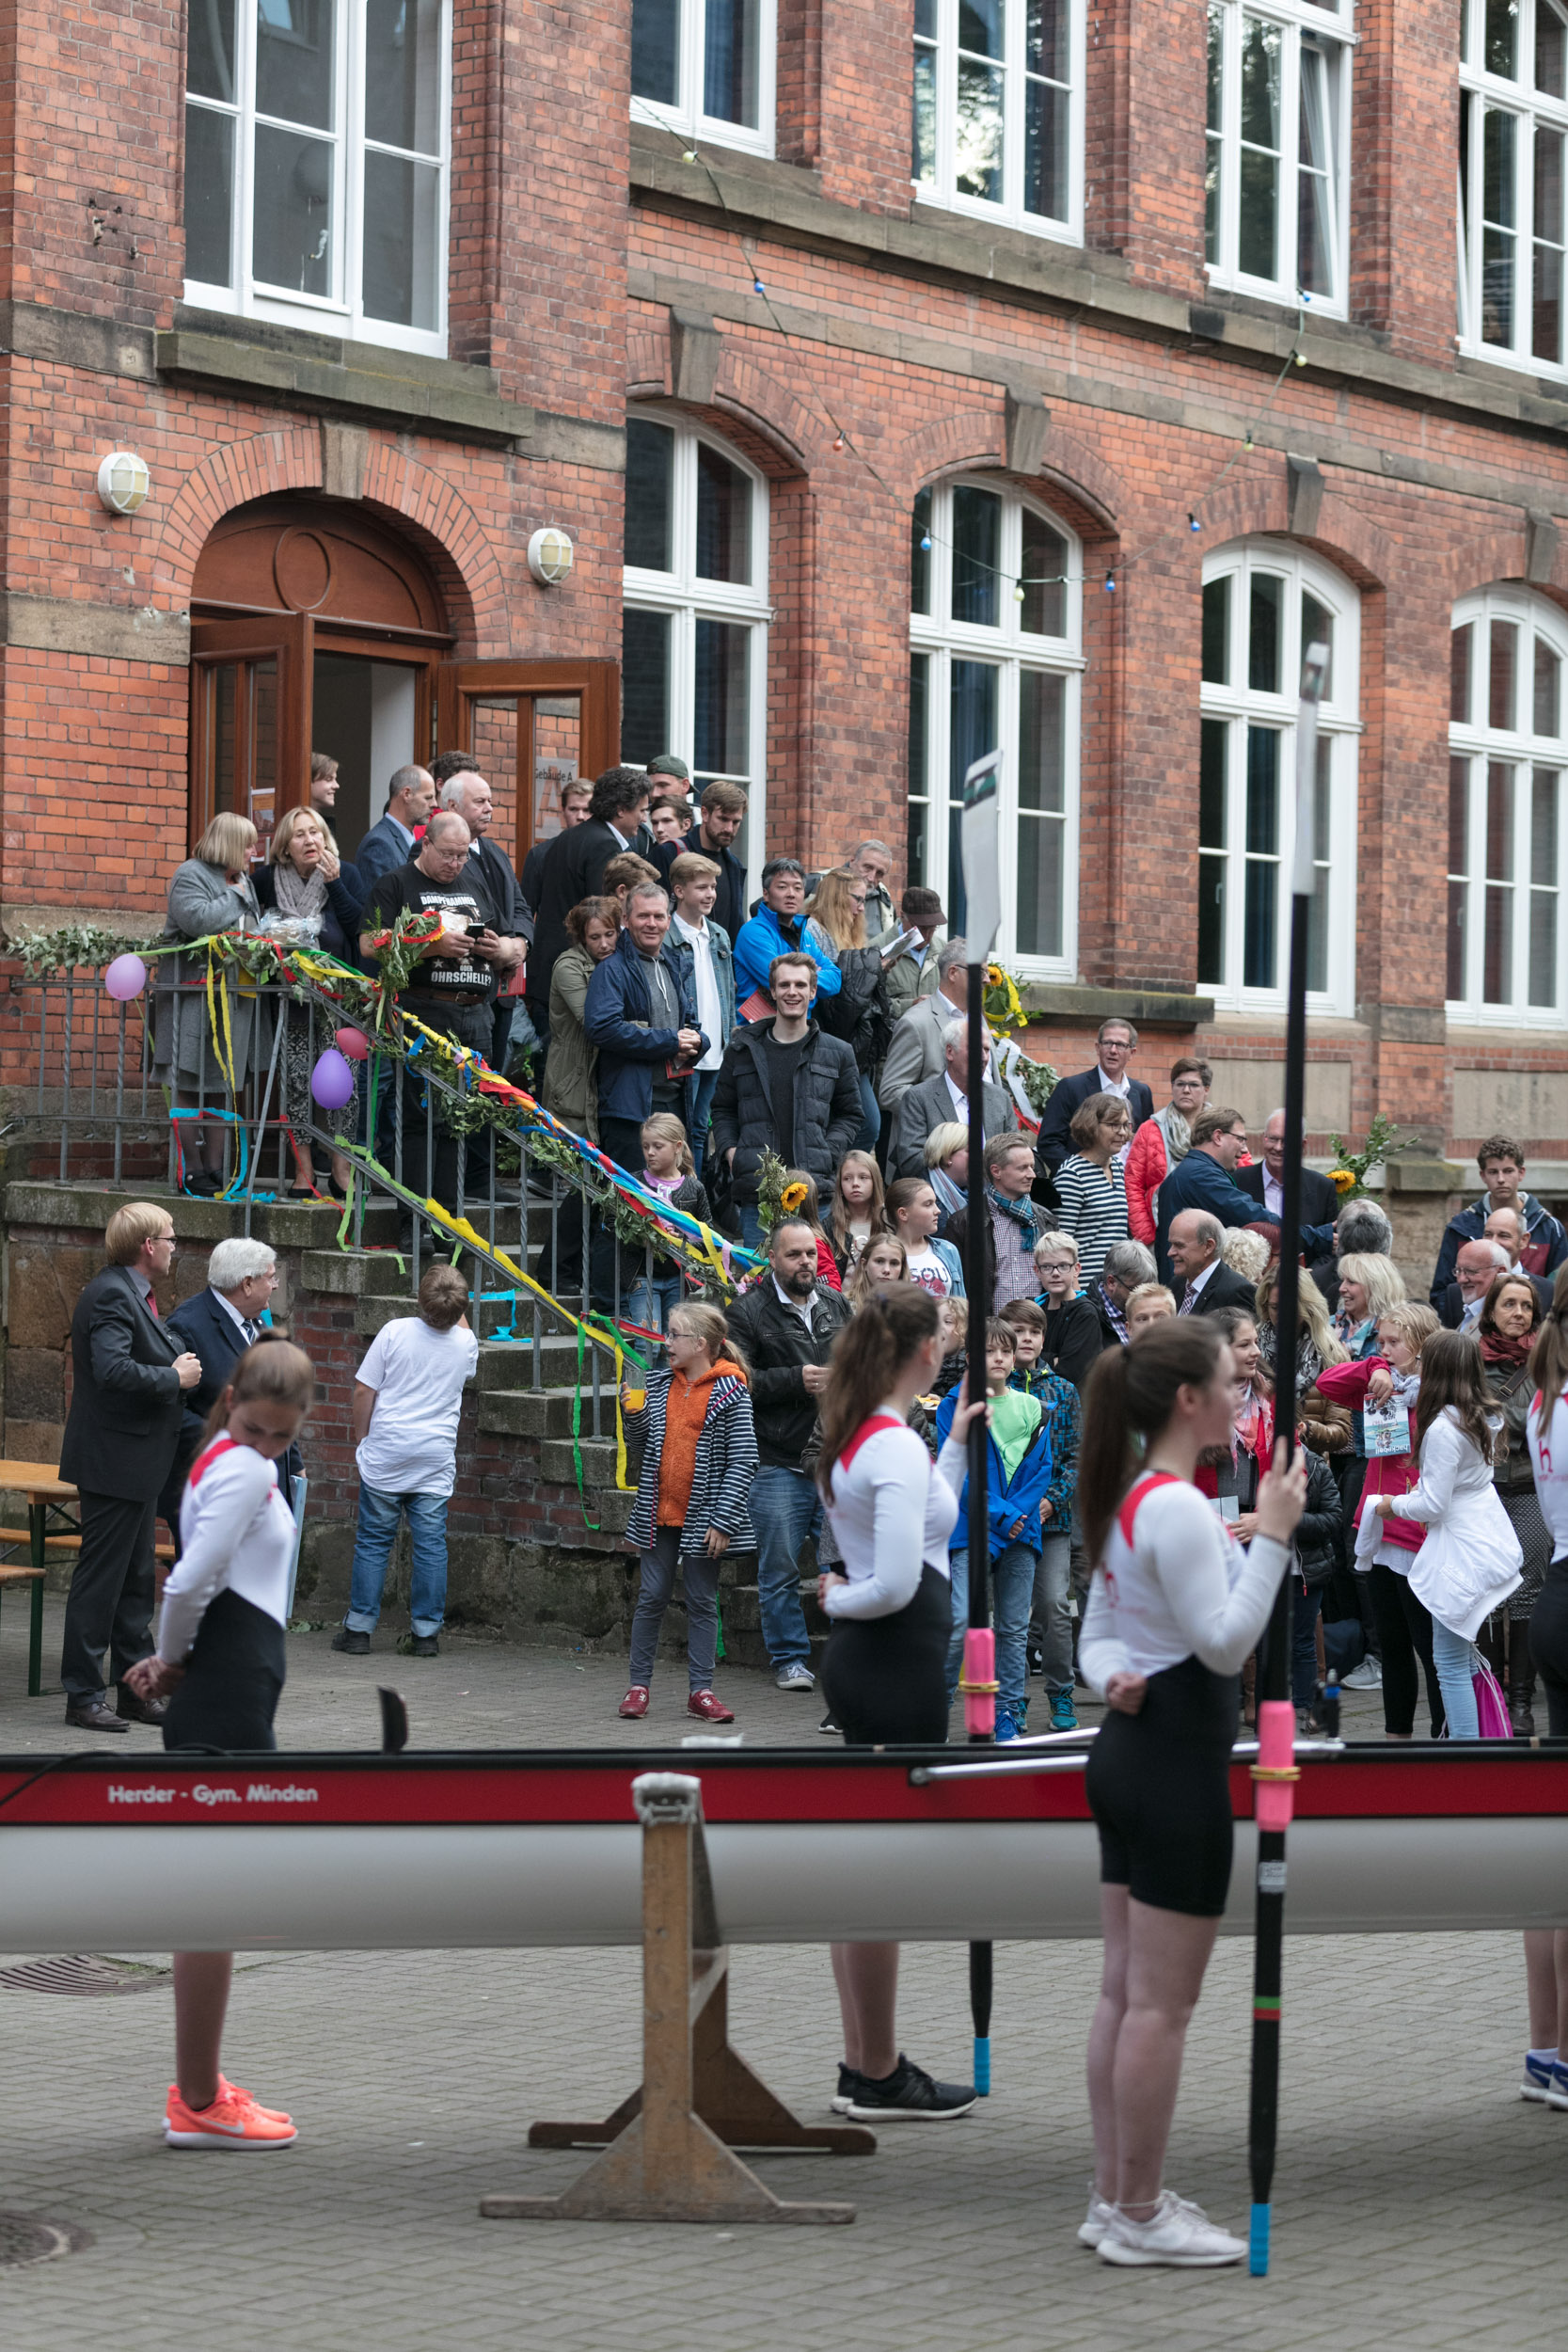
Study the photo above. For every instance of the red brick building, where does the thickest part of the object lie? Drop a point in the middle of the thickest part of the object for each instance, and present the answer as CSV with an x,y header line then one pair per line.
x,y
1050,423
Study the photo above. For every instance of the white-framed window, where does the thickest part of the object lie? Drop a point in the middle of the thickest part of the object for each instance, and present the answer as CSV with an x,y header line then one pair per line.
x,y
999,111
1508,753
694,623
317,141
705,66
995,661
1276,172
1263,605
1513,228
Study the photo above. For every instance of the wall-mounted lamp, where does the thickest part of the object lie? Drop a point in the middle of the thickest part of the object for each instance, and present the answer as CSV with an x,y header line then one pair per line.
x,y
123,481
550,556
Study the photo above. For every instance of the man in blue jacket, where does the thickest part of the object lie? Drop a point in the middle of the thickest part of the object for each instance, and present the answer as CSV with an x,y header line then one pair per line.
x,y
775,930
1017,1476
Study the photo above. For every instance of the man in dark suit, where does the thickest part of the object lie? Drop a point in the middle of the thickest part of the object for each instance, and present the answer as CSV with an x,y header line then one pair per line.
x,y
1477,1266
1204,1283
574,869
942,1101
1117,1043
1264,1182
129,1375
469,794
218,1325
723,813
390,843
575,798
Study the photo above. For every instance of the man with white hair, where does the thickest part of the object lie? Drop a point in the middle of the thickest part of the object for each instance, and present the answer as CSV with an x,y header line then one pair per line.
x,y
915,1051
1476,1267
218,1326
937,1101
873,862
468,793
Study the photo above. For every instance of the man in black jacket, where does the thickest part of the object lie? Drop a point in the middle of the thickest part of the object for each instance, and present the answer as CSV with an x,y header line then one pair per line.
x,y
574,869
1265,1181
785,1085
218,1325
723,813
786,1326
129,1373
1117,1043
1204,1283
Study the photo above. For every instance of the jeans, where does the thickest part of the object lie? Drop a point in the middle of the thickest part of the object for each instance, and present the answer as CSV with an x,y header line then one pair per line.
x,y
750,1225
871,1116
786,1509
1051,1615
1012,1588
699,1112
649,1303
699,1576
372,1547
1456,1660
619,1139
1304,1605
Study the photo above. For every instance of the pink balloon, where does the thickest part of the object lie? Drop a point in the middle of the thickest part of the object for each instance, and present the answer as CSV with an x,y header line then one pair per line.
x,y
126,977
353,1042
332,1081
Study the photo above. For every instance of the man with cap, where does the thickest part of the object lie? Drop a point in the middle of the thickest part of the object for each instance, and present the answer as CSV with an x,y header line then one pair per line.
x,y
914,975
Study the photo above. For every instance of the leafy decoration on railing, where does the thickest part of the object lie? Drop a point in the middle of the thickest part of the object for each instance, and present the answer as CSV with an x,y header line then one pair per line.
x,y
71,947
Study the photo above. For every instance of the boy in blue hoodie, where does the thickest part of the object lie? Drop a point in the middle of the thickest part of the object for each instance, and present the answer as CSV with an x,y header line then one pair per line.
x,y
1020,1468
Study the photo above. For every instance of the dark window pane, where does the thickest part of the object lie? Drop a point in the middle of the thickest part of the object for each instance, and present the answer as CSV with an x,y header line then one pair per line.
x,y
1502,38
1260,917
209,196
1458,899
1543,947
977,142
1210,919
656,44
925,20
1316,628
263,811
294,60
972,725
403,246
1502,694
645,685
976,544
920,553
1041,858
1046,48
1212,832
1317,909
1042,705
730,61
650,460
1496,985
1257,245
403,73
1551,50
1459,815
291,233
1044,567
1216,632
1498,245
919,777
1548,690
1045,149
1266,633
1262,791
1458,673
1499,821
1542,827
210,49
923,141
1547,282
721,734
1042,838
980,26
724,518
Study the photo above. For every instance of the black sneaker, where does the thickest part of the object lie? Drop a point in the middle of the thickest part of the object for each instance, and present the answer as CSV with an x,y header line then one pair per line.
x,y
849,2082
908,2094
831,1725
1034,1652
420,1645
356,1644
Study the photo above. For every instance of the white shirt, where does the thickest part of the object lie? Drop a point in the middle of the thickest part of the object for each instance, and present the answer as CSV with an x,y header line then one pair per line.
x,y
1195,1288
1274,1192
1549,1460
927,1269
710,1016
802,1307
1181,1588
1471,1316
236,1534
960,1102
411,1445
231,1309
892,1514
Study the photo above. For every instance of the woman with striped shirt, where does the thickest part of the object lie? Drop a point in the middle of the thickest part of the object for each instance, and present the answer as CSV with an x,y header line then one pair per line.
x,y
1089,1184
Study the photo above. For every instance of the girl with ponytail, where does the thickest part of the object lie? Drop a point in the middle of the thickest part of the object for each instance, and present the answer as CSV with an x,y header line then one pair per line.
x,y
1546,2076
890,1606
1175,1606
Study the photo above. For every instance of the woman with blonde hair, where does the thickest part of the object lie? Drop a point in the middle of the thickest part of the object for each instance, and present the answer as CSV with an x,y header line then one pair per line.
x,y
1368,1286
303,882
882,1263
833,923
946,1156
857,1210
210,892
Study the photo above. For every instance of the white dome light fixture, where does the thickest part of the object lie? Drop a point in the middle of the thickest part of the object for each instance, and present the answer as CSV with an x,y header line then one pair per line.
x,y
550,556
123,481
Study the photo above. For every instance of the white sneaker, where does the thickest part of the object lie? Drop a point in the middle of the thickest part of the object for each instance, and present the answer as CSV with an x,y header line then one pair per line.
x,y
1367,1677
1101,2214
795,1677
1177,2234
1557,2094
1537,2083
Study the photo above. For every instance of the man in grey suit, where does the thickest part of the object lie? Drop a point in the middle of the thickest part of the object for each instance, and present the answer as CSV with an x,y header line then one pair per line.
x,y
390,843
945,1097
915,1051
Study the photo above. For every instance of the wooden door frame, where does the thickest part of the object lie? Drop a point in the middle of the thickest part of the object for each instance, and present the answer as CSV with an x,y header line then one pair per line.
x,y
286,638
597,685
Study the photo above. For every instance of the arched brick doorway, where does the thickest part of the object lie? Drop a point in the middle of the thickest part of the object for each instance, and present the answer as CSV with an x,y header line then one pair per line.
x,y
314,627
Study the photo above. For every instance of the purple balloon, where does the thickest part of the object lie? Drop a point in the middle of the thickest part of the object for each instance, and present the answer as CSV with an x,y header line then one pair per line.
x,y
332,1081
126,977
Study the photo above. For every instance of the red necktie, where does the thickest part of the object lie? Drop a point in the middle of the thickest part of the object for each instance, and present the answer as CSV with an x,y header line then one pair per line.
x,y
152,1305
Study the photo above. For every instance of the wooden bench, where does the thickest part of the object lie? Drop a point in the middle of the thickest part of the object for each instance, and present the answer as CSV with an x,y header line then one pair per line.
x,y
44,1491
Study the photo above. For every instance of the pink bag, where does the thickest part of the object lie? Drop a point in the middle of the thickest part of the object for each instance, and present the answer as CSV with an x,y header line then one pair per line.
x,y
1491,1705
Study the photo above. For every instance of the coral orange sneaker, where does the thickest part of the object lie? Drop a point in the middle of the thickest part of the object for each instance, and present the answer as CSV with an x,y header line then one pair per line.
x,y
233,2121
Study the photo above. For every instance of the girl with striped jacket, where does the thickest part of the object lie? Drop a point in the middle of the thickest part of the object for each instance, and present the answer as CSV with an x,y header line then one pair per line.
x,y
699,1459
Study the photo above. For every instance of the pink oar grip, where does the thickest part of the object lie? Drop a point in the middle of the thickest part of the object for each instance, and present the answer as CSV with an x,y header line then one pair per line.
x,y
1273,1801
979,1684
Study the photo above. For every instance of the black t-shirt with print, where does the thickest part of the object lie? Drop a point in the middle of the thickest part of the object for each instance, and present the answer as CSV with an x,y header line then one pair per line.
x,y
439,981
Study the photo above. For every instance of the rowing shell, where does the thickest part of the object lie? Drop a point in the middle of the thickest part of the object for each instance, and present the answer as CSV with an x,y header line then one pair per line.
x,y
350,1852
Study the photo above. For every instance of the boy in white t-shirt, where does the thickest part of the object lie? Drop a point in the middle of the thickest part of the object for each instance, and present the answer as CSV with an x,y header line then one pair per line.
x,y
406,1400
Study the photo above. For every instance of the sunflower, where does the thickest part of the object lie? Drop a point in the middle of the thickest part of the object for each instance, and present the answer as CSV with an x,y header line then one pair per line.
x,y
793,1197
1342,1179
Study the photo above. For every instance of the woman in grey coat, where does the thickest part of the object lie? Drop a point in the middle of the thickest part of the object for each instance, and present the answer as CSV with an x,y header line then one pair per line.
x,y
210,892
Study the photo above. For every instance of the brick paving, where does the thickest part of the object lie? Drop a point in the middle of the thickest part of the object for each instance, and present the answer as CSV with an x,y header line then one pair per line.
x,y
1417,2202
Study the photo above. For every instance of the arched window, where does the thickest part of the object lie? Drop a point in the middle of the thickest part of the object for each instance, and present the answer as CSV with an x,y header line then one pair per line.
x,y
1507,754
995,635
1263,604
694,632
1513,228
1278,147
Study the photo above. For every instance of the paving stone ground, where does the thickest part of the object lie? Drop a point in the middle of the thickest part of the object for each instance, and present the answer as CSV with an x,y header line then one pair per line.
x,y
1417,2204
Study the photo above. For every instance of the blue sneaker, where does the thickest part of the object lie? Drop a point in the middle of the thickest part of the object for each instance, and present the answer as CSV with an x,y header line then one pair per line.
x,y
1558,2094
1062,1715
1006,1729
1537,2084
